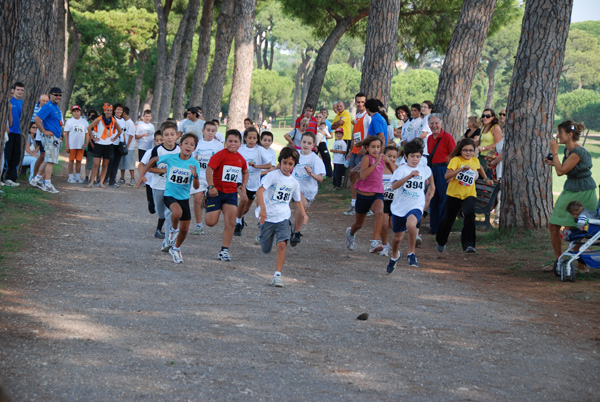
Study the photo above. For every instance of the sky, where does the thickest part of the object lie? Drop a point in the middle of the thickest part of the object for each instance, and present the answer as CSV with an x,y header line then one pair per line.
x,y
585,10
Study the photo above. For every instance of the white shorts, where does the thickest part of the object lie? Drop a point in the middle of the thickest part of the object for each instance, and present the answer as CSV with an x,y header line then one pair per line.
x,y
203,187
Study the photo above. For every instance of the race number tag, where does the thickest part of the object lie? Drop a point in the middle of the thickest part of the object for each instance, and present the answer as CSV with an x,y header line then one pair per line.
x,y
357,137
466,178
231,173
388,193
282,194
179,176
78,129
162,166
203,161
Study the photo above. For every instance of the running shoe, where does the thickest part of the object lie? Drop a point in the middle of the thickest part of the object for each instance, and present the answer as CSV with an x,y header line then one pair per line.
x,y
349,240
386,251
238,229
71,180
419,241
176,254
11,183
376,246
470,250
116,185
441,248
350,211
80,181
158,234
277,282
121,181
257,239
199,230
370,213
295,239
132,182
86,181
172,237
35,183
392,264
165,246
49,187
224,255
412,260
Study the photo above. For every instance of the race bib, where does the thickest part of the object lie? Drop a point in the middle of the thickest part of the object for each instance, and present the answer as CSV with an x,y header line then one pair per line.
x,y
282,194
78,129
204,162
179,176
231,173
357,137
414,184
466,178
162,166
388,193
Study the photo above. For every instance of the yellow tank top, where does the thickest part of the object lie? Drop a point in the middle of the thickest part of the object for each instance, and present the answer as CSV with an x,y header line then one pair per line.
x,y
486,139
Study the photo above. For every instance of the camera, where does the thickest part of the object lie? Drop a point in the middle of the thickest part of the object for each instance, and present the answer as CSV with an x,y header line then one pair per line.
x,y
550,157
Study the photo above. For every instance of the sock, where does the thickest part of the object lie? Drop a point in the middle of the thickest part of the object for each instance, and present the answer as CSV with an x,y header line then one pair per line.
x,y
38,177
48,182
224,248
174,230
70,175
353,203
200,225
160,224
238,220
175,248
277,273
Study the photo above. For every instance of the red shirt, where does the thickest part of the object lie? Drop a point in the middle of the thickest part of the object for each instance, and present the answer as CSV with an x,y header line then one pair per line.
x,y
443,150
312,124
227,170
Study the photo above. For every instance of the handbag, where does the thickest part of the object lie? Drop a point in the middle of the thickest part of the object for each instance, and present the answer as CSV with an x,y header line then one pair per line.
x,y
123,148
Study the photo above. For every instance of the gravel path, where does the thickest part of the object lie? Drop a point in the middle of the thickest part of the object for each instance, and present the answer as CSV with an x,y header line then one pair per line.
x,y
96,312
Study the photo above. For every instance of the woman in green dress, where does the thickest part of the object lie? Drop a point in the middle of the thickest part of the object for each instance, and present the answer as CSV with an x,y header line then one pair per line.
x,y
580,186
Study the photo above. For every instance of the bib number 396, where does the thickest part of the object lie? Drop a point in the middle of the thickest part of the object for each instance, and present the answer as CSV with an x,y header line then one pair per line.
x,y
466,178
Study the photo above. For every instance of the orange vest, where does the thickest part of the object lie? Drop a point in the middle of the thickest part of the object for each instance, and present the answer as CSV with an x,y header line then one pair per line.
x,y
358,132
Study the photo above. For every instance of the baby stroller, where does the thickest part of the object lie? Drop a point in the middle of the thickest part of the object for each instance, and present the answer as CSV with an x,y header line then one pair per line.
x,y
588,252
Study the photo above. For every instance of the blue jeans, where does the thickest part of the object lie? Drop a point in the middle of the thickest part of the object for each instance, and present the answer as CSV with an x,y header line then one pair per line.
x,y
437,206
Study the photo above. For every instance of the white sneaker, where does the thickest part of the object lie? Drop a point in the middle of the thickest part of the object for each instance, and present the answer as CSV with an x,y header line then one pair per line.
x,y
386,251
370,213
350,211
172,237
419,241
277,282
257,239
224,255
376,246
71,180
11,183
349,239
132,182
49,188
199,230
176,254
33,182
80,180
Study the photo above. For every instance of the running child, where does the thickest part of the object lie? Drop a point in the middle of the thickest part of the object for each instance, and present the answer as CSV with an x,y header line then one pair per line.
x,y
207,147
408,184
369,193
169,146
339,157
75,138
309,172
257,159
266,140
273,198
390,154
462,173
181,170
149,182
222,175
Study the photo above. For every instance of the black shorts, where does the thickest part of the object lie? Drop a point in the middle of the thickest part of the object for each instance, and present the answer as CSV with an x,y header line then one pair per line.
x,y
387,204
251,194
103,151
216,203
186,215
364,202
41,145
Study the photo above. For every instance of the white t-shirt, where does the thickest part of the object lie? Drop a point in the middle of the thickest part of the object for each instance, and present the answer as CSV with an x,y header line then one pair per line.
x,y
339,145
181,124
273,154
121,123
204,151
425,125
76,129
422,161
150,177
308,185
219,136
411,195
160,180
129,131
279,191
499,149
147,142
411,129
259,156
198,126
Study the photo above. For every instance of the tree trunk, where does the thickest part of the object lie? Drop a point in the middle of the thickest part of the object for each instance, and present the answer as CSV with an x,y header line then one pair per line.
x,y
306,80
213,90
161,57
320,68
10,22
243,64
299,74
460,65
380,49
134,105
188,21
527,181
147,103
203,53
491,73
73,55
258,40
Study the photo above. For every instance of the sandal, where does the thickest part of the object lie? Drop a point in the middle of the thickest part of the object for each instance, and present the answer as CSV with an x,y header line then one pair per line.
x,y
551,268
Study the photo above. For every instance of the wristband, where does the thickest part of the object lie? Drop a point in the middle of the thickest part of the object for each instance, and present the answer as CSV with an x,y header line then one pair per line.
x,y
195,177
210,187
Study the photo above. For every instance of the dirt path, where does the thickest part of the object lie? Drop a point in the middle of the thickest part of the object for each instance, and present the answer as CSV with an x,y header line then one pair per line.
x,y
96,312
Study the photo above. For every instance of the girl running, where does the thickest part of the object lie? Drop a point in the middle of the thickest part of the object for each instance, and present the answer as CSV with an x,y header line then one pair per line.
x,y
390,154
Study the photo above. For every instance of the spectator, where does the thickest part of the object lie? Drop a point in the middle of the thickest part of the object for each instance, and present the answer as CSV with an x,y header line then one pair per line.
x,y
473,129
193,120
12,149
50,120
294,137
325,114
75,139
31,150
113,166
412,128
502,118
312,122
144,133
108,130
378,124
344,120
322,145
402,113
490,135
39,165
128,161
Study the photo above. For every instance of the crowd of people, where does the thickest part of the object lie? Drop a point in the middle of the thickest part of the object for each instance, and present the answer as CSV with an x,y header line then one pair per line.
x,y
398,171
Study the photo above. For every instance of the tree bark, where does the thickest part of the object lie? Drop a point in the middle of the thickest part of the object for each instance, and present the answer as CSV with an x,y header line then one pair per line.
x,y
203,53
320,68
258,40
243,64
380,49
461,62
161,56
306,80
189,20
72,56
491,73
134,105
299,74
213,90
527,182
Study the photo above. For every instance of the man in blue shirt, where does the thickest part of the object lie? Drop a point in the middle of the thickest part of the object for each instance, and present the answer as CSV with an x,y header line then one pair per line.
x,y
12,149
50,122
378,124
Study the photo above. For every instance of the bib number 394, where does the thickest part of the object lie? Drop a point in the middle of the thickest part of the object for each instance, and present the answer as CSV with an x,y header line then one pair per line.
x,y
466,178
231,173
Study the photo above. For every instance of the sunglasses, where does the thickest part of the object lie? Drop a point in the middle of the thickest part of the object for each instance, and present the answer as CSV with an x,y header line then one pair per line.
x,y
486,116
502,114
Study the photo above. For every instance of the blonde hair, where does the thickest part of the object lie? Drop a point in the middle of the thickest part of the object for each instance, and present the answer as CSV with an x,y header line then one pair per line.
x,y
474,120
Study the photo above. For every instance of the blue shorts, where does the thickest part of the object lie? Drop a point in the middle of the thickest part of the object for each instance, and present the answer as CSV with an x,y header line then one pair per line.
x,y
216,203
399,223
364,202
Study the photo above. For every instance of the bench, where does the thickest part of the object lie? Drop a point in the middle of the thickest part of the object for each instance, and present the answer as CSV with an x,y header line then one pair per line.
x,y
486,200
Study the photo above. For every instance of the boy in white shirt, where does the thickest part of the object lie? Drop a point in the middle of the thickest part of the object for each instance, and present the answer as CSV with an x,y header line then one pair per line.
x,y
128,161
273,197
340,147
75,129
144,134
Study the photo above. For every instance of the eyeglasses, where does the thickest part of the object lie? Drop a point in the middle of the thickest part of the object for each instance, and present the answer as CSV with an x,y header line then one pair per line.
x,y
486,116
467,150
502,114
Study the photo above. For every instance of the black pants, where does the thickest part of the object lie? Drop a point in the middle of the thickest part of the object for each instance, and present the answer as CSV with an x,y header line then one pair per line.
x,y
12,155
113,166
453,205
326,156
338,173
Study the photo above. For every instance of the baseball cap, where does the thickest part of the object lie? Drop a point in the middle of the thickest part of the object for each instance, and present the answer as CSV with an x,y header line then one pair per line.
x,y
75,107
339,130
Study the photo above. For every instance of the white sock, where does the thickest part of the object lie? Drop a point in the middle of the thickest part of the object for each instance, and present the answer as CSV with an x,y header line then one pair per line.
x,y
175,248
38,177
199,225
238,220
277,273
70,175
48,182
353,203
174,230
